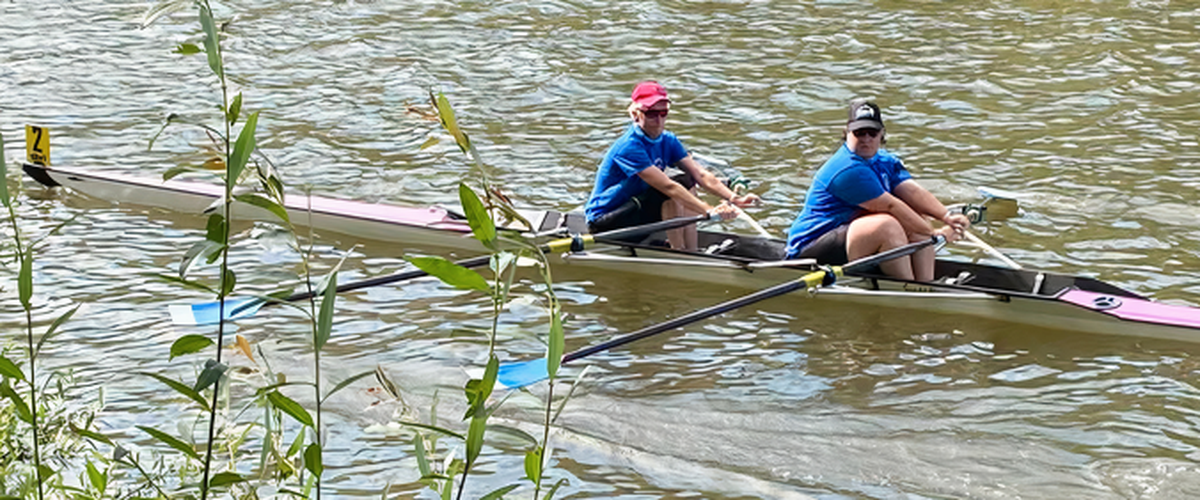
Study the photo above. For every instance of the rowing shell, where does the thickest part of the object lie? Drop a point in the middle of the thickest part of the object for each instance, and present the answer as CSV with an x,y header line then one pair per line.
x,y
1031,297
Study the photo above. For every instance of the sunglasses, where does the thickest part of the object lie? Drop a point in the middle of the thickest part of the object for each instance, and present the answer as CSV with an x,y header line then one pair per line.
x,y
866,132
655,113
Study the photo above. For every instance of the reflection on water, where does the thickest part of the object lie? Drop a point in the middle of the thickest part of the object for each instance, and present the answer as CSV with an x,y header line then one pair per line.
x,y
1084,108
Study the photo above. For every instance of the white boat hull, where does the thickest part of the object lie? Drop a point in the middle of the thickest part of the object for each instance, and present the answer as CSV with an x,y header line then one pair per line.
x,y
437,227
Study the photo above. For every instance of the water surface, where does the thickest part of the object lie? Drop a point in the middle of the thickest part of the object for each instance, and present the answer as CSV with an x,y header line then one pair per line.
x,y
1086,108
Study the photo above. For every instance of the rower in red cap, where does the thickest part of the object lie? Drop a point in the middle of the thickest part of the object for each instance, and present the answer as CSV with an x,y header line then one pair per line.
x,y
632,188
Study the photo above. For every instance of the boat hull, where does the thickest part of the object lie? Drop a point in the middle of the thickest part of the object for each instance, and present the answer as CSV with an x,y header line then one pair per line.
x,y
1045,300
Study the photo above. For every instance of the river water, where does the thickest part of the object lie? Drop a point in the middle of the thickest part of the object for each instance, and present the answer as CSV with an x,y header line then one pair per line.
x,y
1087,109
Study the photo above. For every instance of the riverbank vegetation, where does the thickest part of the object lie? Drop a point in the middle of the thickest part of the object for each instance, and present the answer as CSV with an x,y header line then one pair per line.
x,y
257,434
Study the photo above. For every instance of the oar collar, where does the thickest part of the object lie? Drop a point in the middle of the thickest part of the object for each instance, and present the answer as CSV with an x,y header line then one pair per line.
x,y
831,274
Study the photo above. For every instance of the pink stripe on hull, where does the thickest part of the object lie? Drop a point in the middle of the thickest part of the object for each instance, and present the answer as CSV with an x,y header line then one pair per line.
x,y
425,217
432,217
1131,309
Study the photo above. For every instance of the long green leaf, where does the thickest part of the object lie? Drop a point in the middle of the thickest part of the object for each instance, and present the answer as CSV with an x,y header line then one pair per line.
x,y
201,250
556,341
10,369
267,389
449,122
243,148
53,330
570,392
325,316
45,473
225,479
187,49
341,385
189,344
477,216
533,464
161,9
216,229
475,437
422,460
4,176
212,44
211,374
554,489
228,284
499,493
98,480
451,274
194,285
292,408
235,109
312,459
489,378
19,404
179,387
174,172
265,203
25,280
479,390
89,433
171,441
436,429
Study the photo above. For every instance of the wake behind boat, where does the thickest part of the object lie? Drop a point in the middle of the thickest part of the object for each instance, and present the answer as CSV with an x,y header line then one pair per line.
x,y
1036,298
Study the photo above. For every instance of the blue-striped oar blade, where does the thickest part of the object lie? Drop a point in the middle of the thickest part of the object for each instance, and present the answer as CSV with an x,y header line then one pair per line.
x,y
209,313
522,373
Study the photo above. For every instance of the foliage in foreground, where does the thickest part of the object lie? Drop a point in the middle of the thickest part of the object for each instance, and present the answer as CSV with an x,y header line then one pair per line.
x,y
255,435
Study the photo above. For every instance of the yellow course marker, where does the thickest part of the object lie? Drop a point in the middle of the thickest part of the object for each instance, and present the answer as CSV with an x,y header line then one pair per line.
x,y
37,145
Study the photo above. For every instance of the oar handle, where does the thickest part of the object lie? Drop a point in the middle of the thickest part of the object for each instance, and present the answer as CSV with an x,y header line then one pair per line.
x,y
895,253
620,234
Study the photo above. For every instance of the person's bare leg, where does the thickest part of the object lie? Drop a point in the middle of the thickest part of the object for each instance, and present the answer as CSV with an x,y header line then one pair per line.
x,y
685,238
874,233
675,237
923,260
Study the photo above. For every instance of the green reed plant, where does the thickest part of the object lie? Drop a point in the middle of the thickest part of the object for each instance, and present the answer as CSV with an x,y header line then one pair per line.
x,y
39,413
298,468
236,157
506,250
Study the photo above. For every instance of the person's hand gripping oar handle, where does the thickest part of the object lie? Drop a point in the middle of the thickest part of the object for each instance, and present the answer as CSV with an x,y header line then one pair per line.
x,y
523,373
242,307
737,188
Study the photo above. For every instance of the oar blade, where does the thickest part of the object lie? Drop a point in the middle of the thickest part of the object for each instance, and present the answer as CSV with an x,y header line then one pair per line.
x,y
209,313
1000,204
522,373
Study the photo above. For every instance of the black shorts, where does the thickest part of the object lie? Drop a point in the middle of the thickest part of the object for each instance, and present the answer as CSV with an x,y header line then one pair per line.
x,y
645,208
829,248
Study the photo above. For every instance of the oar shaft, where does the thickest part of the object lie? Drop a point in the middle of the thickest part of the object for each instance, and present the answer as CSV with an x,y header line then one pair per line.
x,y
695,316
991,250
810,280
620,234
556,245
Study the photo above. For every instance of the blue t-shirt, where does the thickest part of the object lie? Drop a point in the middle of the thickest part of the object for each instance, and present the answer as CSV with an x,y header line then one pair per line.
x,y
617,179
845,181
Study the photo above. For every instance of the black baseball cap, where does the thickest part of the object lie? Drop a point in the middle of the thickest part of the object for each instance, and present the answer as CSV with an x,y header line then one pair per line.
x,y
864,114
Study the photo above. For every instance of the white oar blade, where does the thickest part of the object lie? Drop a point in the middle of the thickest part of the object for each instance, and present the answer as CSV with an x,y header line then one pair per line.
x,y
521,374
210,313
1000,204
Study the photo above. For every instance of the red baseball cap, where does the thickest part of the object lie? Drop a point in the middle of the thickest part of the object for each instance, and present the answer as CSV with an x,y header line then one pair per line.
x,y
649,93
